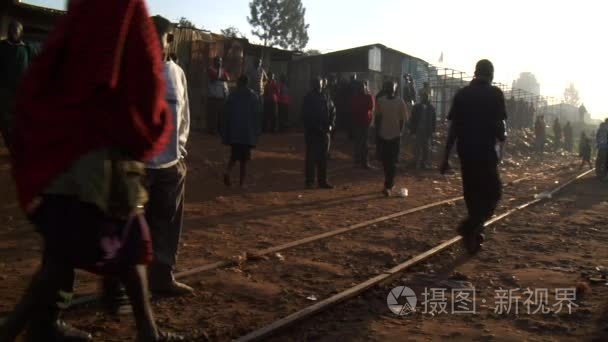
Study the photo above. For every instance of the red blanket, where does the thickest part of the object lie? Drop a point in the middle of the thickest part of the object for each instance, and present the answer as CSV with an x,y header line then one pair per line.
x,y
98,83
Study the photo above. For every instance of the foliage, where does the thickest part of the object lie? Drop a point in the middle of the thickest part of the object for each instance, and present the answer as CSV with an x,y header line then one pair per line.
x,y
279,23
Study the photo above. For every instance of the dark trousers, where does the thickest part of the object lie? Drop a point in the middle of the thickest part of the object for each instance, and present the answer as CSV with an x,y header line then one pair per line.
x,y
270,116
164,213
423,151
215,107
283,117
361,148
601,163
389,153
482,191
317,148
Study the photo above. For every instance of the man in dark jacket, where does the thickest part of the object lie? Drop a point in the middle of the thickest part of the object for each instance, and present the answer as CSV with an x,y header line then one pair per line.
x,y
477,121
15,57
422,126
319,116
362,108
242,127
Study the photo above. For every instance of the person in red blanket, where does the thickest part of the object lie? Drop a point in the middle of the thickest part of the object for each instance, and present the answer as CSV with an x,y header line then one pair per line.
x,y
362,109
271,104
284,102
217,94
100,111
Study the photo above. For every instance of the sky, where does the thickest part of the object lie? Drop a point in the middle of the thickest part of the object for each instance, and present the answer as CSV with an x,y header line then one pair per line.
x,y
560,41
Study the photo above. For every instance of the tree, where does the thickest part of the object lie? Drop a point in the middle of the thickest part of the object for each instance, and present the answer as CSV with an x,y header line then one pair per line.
x,y
571,96
279,23
232,32
186,23
312,52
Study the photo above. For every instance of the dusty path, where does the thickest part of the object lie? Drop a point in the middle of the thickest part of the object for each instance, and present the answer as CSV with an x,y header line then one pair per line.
x,y
223,222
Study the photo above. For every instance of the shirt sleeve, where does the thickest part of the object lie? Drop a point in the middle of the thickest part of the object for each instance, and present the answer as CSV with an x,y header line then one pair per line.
x,y
185,117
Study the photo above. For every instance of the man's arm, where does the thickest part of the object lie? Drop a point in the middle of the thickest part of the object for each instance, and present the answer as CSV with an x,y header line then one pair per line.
x,y
185,117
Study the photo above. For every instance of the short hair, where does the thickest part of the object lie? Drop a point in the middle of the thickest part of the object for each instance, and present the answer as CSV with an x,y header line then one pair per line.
x,y
484,68
162,25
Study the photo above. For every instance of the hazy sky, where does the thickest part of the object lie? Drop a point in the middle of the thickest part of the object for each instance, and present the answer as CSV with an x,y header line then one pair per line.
x,y
559,41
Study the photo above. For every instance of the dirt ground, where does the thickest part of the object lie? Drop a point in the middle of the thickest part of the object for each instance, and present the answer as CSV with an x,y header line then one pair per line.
x,y
554,245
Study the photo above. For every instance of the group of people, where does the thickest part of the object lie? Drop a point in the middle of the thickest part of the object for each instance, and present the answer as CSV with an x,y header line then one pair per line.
x,y
563,137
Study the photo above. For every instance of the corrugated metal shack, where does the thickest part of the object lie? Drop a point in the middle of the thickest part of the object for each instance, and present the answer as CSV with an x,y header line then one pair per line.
x,y
195,50
375,63
37,21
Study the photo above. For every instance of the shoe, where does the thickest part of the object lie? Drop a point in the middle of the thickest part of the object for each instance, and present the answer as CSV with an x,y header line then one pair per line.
x,y
227,181
310,186
326,186
388,192
59,331
173,289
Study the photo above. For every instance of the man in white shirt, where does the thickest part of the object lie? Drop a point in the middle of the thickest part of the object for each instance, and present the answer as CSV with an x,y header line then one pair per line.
x,y
391,115
166,176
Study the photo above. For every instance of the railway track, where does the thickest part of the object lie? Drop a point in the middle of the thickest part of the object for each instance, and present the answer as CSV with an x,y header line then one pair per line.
x,y
305,313
389,274
258,255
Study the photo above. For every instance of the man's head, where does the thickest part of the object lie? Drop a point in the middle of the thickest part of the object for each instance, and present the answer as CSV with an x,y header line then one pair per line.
x,y
271,76
389,88
15,31
164,28
316,84
484,70
257,63
606,121
243,81
324,82
353,77
218,62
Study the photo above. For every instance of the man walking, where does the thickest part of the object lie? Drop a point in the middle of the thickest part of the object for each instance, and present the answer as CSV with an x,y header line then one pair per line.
x,y
15,57
391,115
362,108
271,104
422,126
540,134
601,162
217,94
77,160
477,124
557,133
568,137
242,128
319,116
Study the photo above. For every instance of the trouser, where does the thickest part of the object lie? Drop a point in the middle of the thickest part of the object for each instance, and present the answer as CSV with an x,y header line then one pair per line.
x,y
361,149
540,144
317,148
423,151
601,163
215,107
389,153
482,190
270,116
283,117
164,213
6,132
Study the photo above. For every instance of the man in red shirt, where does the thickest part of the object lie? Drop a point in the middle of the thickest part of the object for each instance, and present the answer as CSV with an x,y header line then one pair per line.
x,y
271,104
362,108
216,95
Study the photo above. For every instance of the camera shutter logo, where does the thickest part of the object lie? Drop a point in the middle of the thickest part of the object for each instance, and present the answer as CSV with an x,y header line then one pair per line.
x,y
409,306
